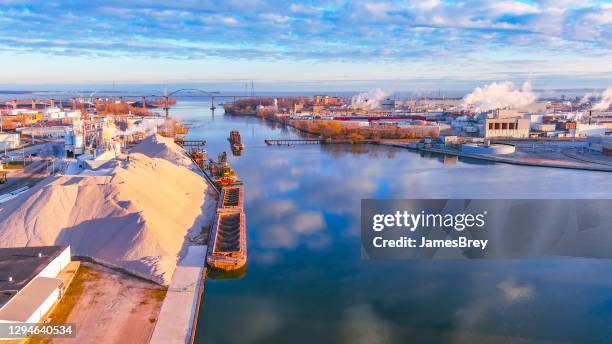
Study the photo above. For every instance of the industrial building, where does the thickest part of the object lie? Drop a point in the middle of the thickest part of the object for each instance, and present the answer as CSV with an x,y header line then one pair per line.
x,y
9,141
506,127
29,283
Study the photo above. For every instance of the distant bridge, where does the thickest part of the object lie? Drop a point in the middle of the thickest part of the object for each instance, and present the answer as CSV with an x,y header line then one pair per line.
x,y
165,98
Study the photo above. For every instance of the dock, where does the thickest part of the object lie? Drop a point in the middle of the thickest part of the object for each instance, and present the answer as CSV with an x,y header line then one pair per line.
x,y
177,318
289,142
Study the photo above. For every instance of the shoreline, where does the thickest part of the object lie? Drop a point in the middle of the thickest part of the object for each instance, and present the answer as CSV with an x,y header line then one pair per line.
x,y
579,164
506,160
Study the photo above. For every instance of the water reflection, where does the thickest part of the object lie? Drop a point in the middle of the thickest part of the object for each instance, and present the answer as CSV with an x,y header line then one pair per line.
x,y
306,281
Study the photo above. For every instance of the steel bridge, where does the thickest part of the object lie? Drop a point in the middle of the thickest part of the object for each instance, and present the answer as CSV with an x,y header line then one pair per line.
x,y
184,92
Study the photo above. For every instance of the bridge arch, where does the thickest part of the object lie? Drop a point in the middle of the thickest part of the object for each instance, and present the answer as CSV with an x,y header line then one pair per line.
x,y
192,90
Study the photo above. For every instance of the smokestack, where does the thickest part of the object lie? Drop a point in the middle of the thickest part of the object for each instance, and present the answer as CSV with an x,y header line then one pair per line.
x,y
590,113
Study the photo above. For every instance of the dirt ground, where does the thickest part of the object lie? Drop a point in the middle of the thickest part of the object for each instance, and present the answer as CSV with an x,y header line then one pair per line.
x,y
108,307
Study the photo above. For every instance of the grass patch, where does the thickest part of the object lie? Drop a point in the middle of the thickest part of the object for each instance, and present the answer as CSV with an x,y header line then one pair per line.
x,y
15,165
157,294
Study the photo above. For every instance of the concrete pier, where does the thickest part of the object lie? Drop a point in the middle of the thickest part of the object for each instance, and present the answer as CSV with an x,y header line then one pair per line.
x,y
178,314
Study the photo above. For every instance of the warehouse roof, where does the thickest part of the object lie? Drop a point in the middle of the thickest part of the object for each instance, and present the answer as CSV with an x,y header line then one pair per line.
x,y
22,306
23,264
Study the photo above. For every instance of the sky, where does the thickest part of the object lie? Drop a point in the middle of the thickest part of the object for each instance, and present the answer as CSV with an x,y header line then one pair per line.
x,y
335,45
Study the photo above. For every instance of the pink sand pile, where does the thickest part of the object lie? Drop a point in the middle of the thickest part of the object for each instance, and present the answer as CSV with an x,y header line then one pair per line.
x,y
137,218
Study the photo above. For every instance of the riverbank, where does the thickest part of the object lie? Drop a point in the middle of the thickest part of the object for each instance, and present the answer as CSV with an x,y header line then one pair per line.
x,y
553,161
567,160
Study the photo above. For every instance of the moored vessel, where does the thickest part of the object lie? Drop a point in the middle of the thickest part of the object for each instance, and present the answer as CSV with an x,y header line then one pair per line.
x,y
228,244
235,140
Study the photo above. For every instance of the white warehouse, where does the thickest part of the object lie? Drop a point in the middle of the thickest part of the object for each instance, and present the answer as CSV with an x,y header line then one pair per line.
x,y
29,283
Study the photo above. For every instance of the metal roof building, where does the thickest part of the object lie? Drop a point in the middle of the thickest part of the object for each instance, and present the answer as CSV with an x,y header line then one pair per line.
x,y
28,283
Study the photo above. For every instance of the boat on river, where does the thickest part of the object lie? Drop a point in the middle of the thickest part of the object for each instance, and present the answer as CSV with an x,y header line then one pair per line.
x,y
235,140
228,239
231,199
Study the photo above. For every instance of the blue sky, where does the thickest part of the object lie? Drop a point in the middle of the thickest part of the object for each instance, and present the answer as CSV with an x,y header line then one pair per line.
x,y
408,45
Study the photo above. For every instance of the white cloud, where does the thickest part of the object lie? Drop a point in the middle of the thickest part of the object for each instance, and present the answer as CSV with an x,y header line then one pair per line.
x,y
302,9
378,9
427,4
361,324
602,17
275,18
513,7
308,222
229,21
514,292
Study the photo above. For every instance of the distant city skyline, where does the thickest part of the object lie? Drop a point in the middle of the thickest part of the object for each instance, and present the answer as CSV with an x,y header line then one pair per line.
x,y
301,46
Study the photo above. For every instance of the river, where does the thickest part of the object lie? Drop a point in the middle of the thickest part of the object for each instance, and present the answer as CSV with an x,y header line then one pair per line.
x,y
306,281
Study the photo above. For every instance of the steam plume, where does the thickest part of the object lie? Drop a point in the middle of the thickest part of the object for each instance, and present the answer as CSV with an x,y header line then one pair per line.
x,y
369,100
606,100
144,126
499,95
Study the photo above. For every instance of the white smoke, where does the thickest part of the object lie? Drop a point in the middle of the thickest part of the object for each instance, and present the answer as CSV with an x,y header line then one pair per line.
x,y
606,100
369,100
587,97
499,95
145,126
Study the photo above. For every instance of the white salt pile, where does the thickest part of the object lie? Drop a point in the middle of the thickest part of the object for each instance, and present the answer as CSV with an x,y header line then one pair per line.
x,y
156,146
136,217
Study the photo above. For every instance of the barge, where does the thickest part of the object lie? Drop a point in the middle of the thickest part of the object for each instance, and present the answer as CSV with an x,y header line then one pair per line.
x,y
229,243
235,140
231,199
228,240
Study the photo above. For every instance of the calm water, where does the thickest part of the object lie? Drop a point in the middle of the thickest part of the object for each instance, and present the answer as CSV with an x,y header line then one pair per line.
x,y
306,282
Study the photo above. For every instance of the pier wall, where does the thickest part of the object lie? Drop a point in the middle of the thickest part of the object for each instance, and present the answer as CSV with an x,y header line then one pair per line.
x,y
178,314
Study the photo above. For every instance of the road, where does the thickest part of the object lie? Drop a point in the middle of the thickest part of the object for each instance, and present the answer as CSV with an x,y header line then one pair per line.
x,y
47,158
